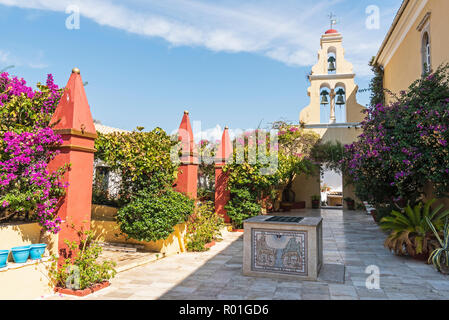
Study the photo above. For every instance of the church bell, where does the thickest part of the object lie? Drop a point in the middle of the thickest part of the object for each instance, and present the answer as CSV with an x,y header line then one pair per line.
x,y
331,61
340,98
324,98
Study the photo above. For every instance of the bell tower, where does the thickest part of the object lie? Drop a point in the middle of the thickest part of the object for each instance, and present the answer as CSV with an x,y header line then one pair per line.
x,y
332,88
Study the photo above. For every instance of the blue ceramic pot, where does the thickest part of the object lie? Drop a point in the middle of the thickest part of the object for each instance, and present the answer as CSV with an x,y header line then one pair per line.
x,y
21,254
37,250
3,258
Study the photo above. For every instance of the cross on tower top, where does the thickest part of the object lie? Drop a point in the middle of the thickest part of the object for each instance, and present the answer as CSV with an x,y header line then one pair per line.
x,y
333,19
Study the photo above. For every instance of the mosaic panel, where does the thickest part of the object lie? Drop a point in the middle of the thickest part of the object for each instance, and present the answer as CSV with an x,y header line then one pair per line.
x,y
279,251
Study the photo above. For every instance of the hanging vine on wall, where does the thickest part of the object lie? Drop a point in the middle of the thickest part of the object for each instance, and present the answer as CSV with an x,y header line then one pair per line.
x,y
376,85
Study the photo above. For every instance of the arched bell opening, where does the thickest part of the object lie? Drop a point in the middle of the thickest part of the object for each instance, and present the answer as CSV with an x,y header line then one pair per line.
x,y
332,60
325,102
340,103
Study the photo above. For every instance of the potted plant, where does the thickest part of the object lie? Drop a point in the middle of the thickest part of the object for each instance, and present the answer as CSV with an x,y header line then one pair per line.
x,y
316,202
410,234
350,203
81,273
440,257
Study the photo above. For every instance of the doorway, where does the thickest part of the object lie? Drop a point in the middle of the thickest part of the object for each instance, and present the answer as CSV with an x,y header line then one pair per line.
x,y
331,187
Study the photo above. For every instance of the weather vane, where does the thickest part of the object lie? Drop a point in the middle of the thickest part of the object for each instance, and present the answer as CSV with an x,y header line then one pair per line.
x,y
333,19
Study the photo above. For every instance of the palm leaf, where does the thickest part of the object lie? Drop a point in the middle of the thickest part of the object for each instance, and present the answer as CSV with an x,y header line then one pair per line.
x,y
434,231
435,212
427,207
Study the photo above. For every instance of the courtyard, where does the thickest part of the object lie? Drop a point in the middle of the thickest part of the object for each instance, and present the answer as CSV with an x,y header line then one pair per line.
x,y
351,238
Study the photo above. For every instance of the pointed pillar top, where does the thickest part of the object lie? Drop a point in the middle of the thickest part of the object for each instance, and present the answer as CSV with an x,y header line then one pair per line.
x,y
186,134
73,111
225,148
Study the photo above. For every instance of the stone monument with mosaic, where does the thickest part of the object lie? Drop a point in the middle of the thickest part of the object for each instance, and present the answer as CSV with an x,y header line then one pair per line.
x,y
283,247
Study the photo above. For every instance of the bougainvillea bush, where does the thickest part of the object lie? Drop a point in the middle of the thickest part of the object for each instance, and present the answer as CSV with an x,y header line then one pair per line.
x,y
295,149
267,169
404,145
28,190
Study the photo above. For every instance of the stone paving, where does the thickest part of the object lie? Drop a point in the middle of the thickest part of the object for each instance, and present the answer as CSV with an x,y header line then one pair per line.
x,y
350,238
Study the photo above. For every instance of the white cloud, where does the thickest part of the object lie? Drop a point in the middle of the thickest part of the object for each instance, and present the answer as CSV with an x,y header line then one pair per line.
x,y
214,134
7,59
287,31
4,56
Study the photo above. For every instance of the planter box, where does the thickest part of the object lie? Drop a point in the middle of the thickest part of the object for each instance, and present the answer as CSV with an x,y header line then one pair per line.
x,y
85,292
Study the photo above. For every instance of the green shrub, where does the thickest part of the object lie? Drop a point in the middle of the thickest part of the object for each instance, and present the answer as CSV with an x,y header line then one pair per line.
x,y
203,227
243,205
151,216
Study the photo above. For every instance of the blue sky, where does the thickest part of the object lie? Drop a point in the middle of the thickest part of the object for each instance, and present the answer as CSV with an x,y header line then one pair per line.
x,y
235,63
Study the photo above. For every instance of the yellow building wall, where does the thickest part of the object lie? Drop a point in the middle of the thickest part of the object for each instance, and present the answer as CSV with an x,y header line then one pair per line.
x,y
305,187
405,66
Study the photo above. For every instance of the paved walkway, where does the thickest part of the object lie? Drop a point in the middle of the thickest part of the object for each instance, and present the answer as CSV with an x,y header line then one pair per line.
x,y
350,238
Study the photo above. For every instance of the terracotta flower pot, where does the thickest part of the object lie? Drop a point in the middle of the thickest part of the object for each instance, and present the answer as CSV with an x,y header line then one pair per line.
x,y
286,206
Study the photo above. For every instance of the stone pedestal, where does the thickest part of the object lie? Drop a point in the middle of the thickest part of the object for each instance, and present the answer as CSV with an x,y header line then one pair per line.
x,y
283,247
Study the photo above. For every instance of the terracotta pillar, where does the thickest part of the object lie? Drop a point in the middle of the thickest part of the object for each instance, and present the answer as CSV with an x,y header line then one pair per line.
x,y
187,181
73,121
222,194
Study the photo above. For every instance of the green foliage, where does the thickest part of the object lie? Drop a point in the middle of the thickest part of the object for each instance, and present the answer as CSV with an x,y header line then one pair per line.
x,y
244,204
203,227
83,268
151,216
141,159
409,230
440,257
377,84
206,195
247,186
206,168
330,154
